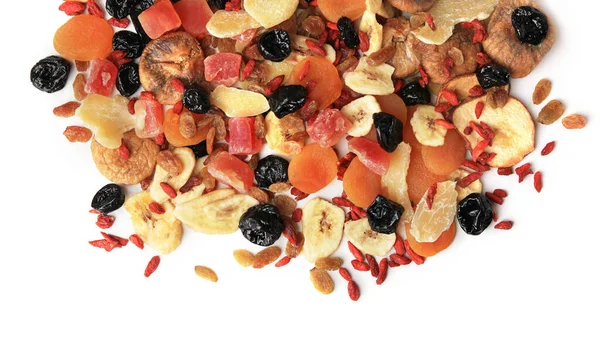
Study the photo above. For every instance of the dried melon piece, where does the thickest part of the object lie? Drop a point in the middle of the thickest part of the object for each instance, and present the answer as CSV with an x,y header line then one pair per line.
x,y
227,24
270,12
107,117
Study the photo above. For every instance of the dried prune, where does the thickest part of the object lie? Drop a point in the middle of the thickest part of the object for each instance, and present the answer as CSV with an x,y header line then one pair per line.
x,y
530,24
287,99
128,42
128,79
262,224
475,213
348,33
389,131
271,170
50,74
108,199
275,45
136,9
196,100
413,94
220,4
199,149
119,8
492,75
384,214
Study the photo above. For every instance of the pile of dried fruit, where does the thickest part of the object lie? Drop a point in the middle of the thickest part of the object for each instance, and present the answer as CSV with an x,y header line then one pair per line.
x,y
419,91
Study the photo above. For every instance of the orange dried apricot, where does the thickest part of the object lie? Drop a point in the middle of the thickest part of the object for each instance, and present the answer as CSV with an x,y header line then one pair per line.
x,y
408,135
334,9
84,38
361,184
445,159
322,80
431,249
393,105
173,134
313,169
419,178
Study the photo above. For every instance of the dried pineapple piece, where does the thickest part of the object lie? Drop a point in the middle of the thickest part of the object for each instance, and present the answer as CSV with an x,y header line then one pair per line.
x,y
227,24
107,117
238,103
271,12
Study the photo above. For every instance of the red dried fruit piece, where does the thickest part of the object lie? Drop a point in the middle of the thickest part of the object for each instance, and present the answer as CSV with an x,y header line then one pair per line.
x,y
548,148
345,274
104,244
152,264
248,68
102,78
120,23
370,154
504,225
469,179
328,127
505,171
223,68
424,80
159,19
415,257
360,266
383,267
231,171
123,151
121,241
297,215
494,198
537,181
523,171
137,241
169,191
194,14
327,86
156,208
77,134
242,137
353,291
430,22
149,116
104,221
400,259
273,85
399,245
283,261
450,96
356,252
72,7
372,265
501,193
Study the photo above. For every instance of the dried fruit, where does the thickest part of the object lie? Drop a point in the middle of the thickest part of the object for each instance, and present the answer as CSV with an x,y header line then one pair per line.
x,y
128,79
152,266
313,169
285,204
551,112
329,263
474,213
361,185
238,103
50,74
574,121
275,45
542,91
262,224
270,13
322,226
128,42
266,257
413,94
228,24
492,75
389,131
322,281
84,37
368,241
108,199
244,258
77,134
325,84
66,110
159,19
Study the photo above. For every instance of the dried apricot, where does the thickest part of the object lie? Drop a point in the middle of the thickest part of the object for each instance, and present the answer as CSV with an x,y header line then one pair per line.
x,y
445,159
393,105
322,80
313,169
84,38
173,135
333,10
408,135
419,178
361,184
431,249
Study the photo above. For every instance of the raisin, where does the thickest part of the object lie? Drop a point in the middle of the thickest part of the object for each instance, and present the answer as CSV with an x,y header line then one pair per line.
x,y
128,42
413,93
492,75
262,224
50,74
475,213
530,24
348,33
108,199
271,170
196,100
199,149
128,79
287,99
275,45
384,215
389,131
119,8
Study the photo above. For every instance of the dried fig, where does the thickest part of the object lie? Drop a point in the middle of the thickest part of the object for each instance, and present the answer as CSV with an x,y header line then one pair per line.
x,y
413,6
503,44
433,57
396,33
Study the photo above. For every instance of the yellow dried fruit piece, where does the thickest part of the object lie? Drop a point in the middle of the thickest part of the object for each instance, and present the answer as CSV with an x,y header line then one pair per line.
x,y
238,103
574,121
227,24
322,281
428,224
270,12
266,257
107,117
474,187
551,112
541,92
206,273
286,135
447,13
244,258
393,182
329,263
374,30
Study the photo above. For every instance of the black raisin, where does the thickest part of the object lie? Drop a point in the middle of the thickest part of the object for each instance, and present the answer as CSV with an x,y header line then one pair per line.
x,y
128,79
109,198
271,170
119,8
50,74
220,4
348,33
136,9
199,149
287,99
128,42
196,100
389,131
530,24
492,75
275,45
384,215
262,224
475,213
413,94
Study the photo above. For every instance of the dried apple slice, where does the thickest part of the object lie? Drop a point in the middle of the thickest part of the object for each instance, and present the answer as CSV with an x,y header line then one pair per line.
x,y
461,86
512,124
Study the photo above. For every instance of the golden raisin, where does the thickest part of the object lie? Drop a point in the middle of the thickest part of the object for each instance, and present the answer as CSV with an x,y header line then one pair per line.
x,y
169,162
542,91
259,195
285,204
187,125
77,134
322,281
206,273
244,258
329,263
574,121
266,257
280,187
551,112
67,109
79,87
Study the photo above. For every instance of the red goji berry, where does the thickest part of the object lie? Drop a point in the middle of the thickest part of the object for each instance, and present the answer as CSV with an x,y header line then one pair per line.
x,y
393,264
247,70
290,233
305,70
360,266
107,245
345,274
482,59
131,106
152,266
156,208
467,180
450,96
501,193
504,225
273,85
364,41
356,252
332,26
415,257
494,198
72,7
160,139
177,84
475,166
123,151
93,211
120,23
478,110
315,48
121,241
398,85
430,22
178,107
400,259
342,202
476,91
283,261
479,148
104,221
383,267
147,95
137,241
537,181
94,9
424,80
353,291
297,215
170,191
523,171
443,107
505,171
372,265
399,245
444,123
548,148
233,5
431,195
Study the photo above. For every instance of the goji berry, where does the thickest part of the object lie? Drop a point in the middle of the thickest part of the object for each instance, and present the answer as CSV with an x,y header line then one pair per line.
x,y
443,107
476,91
353,291
501,193
372,265
297,215
537,181
356,252
415,257
505,171
131,106
152,266
424,80
479,148
247,70
450,96
469,179
120,23
273,85
121,241
444,123
283,261
104,221
383,267
360,266
168,190
304,71
431,195
345,274
290,234
123,151
400,259
504,225
430,22
94,9
548,148
342,202
494,198
399,245
478,110
137,241
177,84
315,48
364,41
523,171
156,208
72,7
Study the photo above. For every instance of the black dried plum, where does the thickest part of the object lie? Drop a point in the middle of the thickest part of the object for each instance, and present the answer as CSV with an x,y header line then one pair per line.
x,y
119,8
530,24
199,149
492,75
389,131
108,199
50,74
128,42
220,4
275,45
348,33
475,213
287,99
271,170
413,94
196,100
128,79
262,224
137,8
384,214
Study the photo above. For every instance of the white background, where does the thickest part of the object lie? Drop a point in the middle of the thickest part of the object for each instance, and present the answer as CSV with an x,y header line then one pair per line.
x,y
538,281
